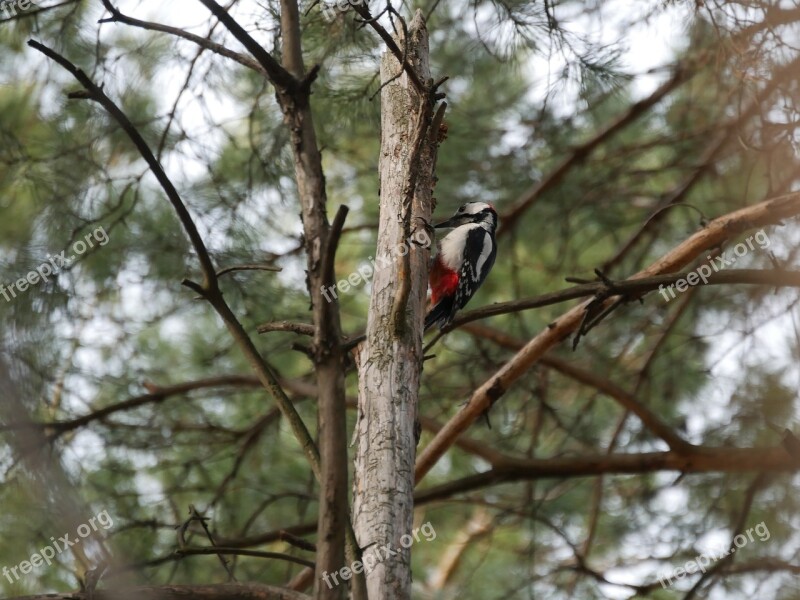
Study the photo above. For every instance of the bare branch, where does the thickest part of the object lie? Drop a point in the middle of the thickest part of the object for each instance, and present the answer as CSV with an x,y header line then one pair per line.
x,y
632,289
279,76
627,400
299,328
96,93
363,10
700,460
198,551
210,288
681,74
252,267
726,132
242,59
717,231
225,591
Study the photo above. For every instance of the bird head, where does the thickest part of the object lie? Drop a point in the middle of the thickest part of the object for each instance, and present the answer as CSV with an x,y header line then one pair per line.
x,y
481,213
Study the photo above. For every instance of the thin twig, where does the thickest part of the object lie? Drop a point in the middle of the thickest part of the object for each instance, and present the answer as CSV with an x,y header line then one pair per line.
x,y
242,59
363,10
279,76
332,243
192,550
202,520
252,267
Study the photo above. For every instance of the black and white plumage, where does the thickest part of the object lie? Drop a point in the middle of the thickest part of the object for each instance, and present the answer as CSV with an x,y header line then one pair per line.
x,y
464,259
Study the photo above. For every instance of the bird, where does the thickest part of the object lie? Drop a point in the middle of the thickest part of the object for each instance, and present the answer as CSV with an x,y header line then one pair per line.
x,y
464,258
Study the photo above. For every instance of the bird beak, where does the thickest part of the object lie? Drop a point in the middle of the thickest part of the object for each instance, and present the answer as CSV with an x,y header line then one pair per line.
x,y
451,222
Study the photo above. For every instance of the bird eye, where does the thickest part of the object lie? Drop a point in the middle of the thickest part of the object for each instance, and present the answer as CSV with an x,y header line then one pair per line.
x,y
462,208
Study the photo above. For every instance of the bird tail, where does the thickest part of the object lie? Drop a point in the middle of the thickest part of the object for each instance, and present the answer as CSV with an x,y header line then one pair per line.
x,y
439,314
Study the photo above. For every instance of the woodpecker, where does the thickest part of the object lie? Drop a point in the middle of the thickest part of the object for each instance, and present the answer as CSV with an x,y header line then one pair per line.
x,y
465,257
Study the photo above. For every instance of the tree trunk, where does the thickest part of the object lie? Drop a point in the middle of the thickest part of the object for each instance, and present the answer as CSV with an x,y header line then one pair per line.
x,y
321,241
390,359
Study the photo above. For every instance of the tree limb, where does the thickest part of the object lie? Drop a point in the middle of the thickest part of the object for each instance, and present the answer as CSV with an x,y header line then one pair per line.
x,y
242,59
197,551
224,591
509,219
277,74
627,400
717,231
700,460
210,287
631,288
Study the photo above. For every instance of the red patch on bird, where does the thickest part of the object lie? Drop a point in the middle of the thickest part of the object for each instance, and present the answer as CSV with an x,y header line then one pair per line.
x,y
443,281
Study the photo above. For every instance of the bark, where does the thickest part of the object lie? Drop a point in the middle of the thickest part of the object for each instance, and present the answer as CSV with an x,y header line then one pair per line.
x,y
320,239
390,359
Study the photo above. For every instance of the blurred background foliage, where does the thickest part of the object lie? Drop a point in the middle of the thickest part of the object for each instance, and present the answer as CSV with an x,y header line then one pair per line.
x,y
529,82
